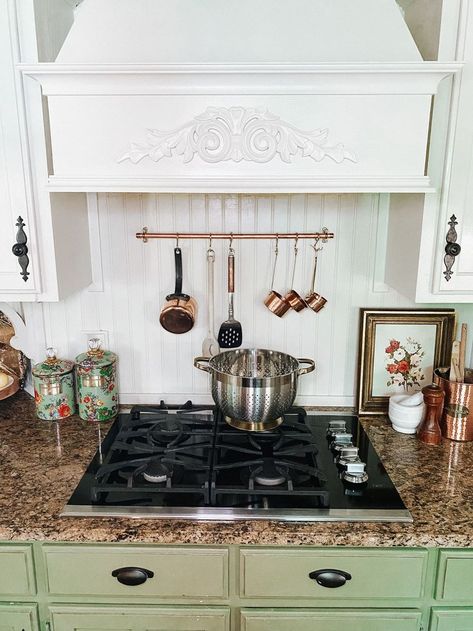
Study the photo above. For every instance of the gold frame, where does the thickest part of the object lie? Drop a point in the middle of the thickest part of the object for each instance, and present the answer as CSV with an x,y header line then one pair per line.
x,y
444,319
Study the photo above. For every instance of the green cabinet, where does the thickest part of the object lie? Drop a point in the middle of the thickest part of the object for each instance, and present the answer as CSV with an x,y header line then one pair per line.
x,y
109,618
18,618
455,576
451,620
17,575
323,620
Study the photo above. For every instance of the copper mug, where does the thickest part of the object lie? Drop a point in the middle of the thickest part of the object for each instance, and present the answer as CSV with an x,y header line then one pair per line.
x,y
314,300
274,301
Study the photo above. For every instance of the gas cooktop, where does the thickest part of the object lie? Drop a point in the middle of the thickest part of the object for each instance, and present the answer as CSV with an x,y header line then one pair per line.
x,y
187,463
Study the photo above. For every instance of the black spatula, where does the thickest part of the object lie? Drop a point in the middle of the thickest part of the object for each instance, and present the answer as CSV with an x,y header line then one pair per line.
x,y
230,334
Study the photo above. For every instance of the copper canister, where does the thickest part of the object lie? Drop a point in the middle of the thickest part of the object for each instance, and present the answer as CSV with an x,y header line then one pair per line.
x,y
457,418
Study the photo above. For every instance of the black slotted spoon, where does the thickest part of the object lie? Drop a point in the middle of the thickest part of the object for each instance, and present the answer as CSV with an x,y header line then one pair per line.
x,y
230,334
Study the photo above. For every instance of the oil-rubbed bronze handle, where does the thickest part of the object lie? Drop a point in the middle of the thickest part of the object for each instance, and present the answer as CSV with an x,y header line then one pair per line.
x,y
132,575
330,578
20,249
452,249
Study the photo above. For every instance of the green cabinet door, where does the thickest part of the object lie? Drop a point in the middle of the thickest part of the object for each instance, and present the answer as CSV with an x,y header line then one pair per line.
x,y
111,618
452,620
324,620
18,618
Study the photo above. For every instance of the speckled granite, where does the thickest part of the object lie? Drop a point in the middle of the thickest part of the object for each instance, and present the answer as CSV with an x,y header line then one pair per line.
x,y
41,463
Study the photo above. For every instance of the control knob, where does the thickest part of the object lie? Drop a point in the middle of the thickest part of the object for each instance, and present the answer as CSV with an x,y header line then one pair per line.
x,y
336,427
347,455
355,472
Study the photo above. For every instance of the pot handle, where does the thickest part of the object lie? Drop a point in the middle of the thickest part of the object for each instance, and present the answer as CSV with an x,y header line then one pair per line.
x,y
310,367
178,266
197,363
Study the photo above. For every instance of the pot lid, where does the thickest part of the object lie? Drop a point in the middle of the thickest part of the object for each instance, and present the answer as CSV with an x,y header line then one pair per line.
x,y
95,357
52,366
238,31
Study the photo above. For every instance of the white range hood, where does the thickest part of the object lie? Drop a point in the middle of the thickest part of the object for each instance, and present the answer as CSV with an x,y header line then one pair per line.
x,y
239,96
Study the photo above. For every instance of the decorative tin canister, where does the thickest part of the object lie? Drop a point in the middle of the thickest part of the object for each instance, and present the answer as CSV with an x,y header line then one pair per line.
x,y
96,383
53,382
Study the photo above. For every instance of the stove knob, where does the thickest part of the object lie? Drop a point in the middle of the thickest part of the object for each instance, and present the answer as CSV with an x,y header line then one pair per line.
x,y
336,426
348,454
355,472
341,439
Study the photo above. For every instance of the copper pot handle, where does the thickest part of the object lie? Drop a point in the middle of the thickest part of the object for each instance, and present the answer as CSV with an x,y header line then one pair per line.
x,y
199,360
310,367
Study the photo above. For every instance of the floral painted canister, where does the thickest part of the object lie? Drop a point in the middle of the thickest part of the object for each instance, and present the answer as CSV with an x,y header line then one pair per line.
x,y
53,381
96,377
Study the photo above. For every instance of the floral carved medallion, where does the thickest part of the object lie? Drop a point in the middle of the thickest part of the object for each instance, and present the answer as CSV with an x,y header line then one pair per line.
x,y
237,133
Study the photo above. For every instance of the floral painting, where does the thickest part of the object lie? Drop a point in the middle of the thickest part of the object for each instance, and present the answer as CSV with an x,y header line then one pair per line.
x,y
399,350
404,363
403,358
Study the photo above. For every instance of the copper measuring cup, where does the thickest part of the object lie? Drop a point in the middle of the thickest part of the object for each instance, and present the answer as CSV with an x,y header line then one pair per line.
x,y
314,300
274,301
292,297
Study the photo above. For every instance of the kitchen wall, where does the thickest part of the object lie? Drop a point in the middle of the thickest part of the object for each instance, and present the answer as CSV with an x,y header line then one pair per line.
x,y
131,280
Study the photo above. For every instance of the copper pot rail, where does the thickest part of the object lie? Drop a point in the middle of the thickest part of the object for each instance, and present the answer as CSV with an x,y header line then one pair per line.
x,y
145,235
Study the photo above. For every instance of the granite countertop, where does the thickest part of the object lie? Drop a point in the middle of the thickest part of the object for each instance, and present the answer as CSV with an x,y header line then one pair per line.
x,y
41,464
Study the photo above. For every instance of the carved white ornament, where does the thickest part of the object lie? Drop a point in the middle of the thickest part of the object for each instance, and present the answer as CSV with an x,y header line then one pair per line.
x,y
237,133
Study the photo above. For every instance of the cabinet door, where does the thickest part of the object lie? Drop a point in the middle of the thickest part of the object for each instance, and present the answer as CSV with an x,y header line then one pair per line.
x,y
323,620
458,184
13,179
111,618
451,620
18,618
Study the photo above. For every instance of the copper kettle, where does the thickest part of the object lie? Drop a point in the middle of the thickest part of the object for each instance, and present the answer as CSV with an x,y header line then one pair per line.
x,y
179,311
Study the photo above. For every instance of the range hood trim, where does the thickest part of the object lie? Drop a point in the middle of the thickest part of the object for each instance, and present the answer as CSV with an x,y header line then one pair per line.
x,y
143,79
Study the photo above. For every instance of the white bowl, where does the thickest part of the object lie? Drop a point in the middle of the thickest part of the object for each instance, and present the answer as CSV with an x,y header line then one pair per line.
x,y
405,419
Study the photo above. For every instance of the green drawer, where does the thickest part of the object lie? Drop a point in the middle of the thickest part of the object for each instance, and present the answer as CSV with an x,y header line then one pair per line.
x,y
455,576
376,574
451,620
17,575
323,620
178,572
18,617
93,618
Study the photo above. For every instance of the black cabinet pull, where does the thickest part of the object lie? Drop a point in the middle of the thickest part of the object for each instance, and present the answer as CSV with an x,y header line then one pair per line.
x,y
132,575
330,578
20,249
452,248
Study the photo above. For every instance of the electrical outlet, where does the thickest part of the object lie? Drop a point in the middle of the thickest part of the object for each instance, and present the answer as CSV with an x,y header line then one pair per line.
x,y
101,335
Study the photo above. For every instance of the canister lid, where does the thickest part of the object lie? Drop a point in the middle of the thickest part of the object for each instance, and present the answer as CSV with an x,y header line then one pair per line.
x,y
52,366
95,357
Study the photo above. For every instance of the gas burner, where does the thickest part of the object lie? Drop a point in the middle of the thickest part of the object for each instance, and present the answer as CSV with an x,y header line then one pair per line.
x,y
168,431
269,474
157,471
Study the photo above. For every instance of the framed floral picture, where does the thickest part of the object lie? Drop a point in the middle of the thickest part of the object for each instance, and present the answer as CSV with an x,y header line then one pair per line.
x,y
398,352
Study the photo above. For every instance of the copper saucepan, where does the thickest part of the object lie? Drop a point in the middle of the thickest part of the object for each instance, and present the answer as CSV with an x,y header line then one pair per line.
x,y
179,312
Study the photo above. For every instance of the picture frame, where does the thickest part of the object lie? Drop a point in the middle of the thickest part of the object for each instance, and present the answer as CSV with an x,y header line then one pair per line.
x,y
398,351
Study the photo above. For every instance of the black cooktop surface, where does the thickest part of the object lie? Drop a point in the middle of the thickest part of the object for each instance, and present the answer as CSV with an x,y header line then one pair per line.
x,y
188,463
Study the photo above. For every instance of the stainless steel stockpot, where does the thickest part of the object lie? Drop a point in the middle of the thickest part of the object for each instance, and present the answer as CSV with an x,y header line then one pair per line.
x,y
254,387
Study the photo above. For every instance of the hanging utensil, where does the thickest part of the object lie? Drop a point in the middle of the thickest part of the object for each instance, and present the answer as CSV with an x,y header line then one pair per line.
x,y
274,301
314,300
230,334
292,297
210,346
179,311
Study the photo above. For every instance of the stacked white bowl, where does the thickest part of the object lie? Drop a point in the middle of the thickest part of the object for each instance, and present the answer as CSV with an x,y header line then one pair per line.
x,y
406,412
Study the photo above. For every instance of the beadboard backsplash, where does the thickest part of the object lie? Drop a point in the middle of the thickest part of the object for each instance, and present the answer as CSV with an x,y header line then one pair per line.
x,y
131,280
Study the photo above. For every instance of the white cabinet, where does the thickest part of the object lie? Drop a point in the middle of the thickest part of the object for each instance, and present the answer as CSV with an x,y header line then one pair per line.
x,y
419,226
55,228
